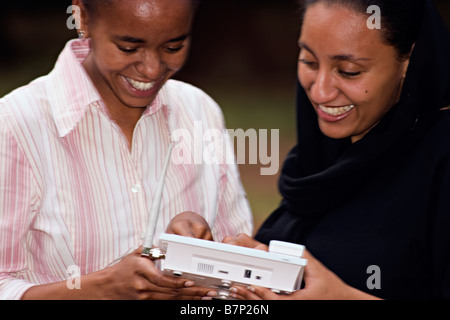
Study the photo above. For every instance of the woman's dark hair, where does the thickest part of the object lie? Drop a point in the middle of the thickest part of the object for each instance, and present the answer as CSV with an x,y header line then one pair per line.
x,y
400,19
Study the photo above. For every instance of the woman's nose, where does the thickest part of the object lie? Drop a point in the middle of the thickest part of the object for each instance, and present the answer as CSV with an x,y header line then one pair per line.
x,y
323,89
150,65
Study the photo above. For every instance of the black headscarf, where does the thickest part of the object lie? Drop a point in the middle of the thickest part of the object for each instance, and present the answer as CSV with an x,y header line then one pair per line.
x,y
320,166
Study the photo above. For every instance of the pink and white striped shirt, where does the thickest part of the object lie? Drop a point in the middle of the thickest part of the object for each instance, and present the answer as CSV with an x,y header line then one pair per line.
x,y
73,194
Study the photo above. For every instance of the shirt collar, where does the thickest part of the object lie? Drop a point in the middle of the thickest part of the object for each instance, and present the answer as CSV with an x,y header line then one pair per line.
x,y
70,89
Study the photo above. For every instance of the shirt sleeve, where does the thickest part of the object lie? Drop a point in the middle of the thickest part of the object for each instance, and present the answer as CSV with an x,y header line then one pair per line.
x,y
234,213
16,183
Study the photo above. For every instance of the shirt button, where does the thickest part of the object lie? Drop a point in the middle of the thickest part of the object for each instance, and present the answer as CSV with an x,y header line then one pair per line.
x,y
136,188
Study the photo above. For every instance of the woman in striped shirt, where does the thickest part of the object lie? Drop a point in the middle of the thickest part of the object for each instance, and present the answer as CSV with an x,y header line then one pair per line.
x,y
82,149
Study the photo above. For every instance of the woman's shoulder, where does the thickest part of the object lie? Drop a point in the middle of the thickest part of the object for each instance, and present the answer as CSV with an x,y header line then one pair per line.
x,y
444,117
173,84
24,96
181,95
25,107
182,90
438,138
441,129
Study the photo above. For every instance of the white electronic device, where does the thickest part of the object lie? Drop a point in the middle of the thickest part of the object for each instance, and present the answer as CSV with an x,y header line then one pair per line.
x,y
220,265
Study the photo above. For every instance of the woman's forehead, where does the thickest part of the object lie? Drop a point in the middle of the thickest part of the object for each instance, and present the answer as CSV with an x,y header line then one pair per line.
x,y
145,9
334,19
147,17
339,29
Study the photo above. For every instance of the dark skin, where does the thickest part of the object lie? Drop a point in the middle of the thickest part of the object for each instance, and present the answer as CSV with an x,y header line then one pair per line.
x,y
129,62
190,224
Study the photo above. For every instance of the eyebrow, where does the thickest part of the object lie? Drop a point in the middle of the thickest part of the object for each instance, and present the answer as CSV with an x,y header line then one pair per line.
x,y
139,41
348,57
180,38
338,57
128,39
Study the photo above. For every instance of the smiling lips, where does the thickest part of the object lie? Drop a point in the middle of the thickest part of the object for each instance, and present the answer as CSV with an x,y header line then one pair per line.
x,y
336,111
141,86
333,114
141,89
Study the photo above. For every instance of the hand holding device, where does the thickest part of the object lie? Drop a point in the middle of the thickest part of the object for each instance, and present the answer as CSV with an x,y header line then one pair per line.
x,y
220,266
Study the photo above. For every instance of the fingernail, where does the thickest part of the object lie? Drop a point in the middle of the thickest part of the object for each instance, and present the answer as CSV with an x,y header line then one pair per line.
x,y
251,289
212,294
206,298
233,289
189,284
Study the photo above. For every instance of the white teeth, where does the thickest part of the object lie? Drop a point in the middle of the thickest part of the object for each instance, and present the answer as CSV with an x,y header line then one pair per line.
x,y
336,111
143,86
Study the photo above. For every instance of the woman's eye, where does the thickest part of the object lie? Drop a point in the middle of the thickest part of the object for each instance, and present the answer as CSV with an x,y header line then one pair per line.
x,y
308,63
126,50
174,49
349,74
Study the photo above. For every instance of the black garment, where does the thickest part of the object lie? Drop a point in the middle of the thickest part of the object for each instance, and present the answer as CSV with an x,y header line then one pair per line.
x,y
384,200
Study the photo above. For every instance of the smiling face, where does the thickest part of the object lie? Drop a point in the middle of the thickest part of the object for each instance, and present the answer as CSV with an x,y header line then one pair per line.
x,y
351,77
136,46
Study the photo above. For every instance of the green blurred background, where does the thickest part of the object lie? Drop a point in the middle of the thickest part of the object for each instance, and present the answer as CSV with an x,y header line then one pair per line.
x,y
244,55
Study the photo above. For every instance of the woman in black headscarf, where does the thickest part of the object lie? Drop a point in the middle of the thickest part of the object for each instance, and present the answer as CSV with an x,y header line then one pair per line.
x,y
367,188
